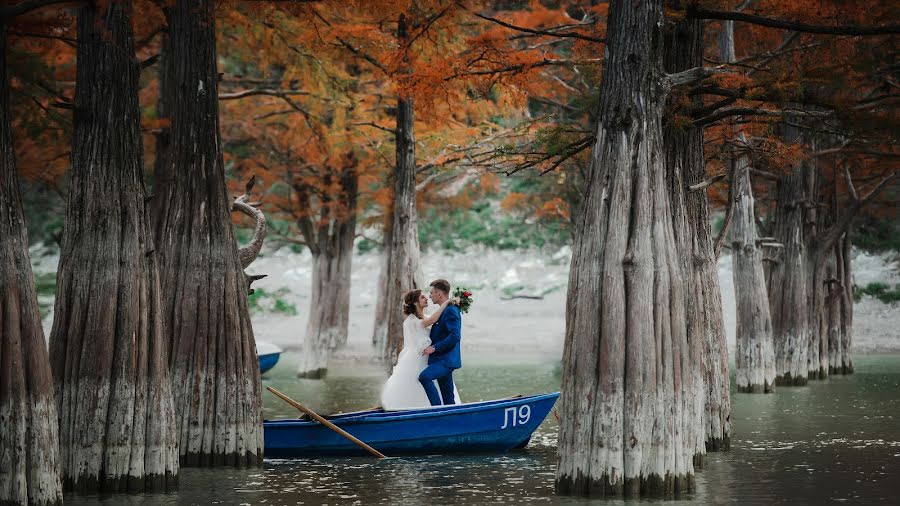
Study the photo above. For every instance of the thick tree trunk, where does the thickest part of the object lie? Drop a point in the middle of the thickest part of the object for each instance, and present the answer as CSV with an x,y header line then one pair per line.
x,y
818,258
329,311
213,359
402,269
706,329
629,423
787,284
832,294
108,348
755,352
162,178
841,291
29,441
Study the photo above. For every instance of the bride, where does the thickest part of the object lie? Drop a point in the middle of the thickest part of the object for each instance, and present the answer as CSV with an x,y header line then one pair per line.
x,y
403,390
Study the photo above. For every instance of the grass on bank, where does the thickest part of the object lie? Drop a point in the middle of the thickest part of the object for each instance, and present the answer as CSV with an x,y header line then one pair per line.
x,y
881,291
261,300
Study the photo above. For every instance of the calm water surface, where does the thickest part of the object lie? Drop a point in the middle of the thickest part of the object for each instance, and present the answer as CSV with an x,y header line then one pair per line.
x,y
833,441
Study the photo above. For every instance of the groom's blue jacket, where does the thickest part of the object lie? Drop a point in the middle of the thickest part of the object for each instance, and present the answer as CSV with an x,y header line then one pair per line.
x,y
445,337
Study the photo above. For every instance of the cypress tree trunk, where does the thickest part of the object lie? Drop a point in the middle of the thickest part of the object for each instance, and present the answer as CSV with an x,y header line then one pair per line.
x,y
755,353
832,294
215,371
841,360
817,260
787,284
108,348
706,328
29,441
628,425
331,244
162,178
402,269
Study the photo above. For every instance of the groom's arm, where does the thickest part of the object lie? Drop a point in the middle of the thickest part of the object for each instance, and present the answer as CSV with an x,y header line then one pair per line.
x,y
454,324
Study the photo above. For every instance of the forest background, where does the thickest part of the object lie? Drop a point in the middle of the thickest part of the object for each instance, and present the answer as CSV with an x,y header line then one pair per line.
x,y
502,131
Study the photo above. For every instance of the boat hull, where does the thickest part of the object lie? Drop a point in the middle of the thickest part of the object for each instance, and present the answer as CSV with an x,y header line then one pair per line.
x,y
267,362
492,426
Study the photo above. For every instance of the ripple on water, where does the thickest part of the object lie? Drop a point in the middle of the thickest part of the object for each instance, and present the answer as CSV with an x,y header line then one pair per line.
x,y
809,445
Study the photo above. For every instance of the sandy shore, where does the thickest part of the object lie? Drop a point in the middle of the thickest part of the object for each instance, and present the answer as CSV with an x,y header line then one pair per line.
x,y
521,328
501,325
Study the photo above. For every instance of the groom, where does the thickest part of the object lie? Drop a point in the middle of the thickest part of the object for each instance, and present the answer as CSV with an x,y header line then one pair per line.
x,y
443,354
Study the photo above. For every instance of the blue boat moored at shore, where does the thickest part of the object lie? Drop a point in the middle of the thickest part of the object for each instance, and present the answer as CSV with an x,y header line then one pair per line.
x,y
478,427
268,355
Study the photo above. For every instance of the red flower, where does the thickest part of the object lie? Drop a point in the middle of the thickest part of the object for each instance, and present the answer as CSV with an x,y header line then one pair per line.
x,y
466,294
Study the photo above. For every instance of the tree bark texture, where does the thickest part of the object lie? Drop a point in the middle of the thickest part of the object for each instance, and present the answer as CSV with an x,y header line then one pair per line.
x,y
107,346
787,283
818,257
402,268
755,351
685,165
841,310
162,178
330,240
212,353
831,300
29,441
629,421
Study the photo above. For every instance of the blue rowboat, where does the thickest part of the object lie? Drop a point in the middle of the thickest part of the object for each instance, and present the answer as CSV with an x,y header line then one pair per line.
x,y
268,355
477,427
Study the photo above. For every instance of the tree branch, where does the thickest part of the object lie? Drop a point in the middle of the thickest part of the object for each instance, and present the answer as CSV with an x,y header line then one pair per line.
x,y
749,111
540,32
260,91
249,252
836,230
28,6
375,125
696,12
691,76
706,184
729,214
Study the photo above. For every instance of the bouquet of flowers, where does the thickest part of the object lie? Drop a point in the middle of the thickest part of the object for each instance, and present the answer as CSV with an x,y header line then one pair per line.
x,y
463,299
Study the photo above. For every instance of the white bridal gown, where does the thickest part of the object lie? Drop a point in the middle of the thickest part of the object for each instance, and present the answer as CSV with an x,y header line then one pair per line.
x,y
403,390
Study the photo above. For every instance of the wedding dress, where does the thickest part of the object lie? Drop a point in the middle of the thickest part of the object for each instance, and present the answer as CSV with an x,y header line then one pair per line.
x,y
403,390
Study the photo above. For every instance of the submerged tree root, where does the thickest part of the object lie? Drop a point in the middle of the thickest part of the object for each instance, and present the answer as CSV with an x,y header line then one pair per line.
x,y
654,485
787,380
765,388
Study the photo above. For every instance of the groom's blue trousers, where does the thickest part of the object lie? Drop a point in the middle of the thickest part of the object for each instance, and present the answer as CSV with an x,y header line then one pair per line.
x,y
444,377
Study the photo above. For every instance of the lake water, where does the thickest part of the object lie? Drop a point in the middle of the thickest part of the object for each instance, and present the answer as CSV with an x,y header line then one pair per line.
x,y
832,441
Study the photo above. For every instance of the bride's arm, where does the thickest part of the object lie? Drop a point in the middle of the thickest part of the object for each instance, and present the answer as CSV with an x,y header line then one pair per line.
x,y
433,317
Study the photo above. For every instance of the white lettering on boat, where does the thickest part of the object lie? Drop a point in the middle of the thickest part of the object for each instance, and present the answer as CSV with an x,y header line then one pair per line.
x,y
513,416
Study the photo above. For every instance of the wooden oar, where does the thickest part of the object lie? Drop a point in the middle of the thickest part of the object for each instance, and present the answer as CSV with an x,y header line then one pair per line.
x,y
325,422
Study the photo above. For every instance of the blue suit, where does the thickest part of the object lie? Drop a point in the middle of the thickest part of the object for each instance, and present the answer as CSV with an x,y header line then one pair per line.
x,y
445,338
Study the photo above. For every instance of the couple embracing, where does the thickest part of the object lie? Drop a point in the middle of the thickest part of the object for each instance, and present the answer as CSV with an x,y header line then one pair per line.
x,y
430,352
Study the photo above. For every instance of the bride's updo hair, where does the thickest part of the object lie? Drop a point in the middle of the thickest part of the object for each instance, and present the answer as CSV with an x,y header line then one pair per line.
x,y
411,302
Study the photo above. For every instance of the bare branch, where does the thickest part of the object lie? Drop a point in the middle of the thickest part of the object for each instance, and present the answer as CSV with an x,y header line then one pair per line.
x,y
260,91
701,13
691,76
375,125
850,187
28,6
250,279
249,252
541,32
68,40
706,184
546,62
729,213
835,231
752,111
